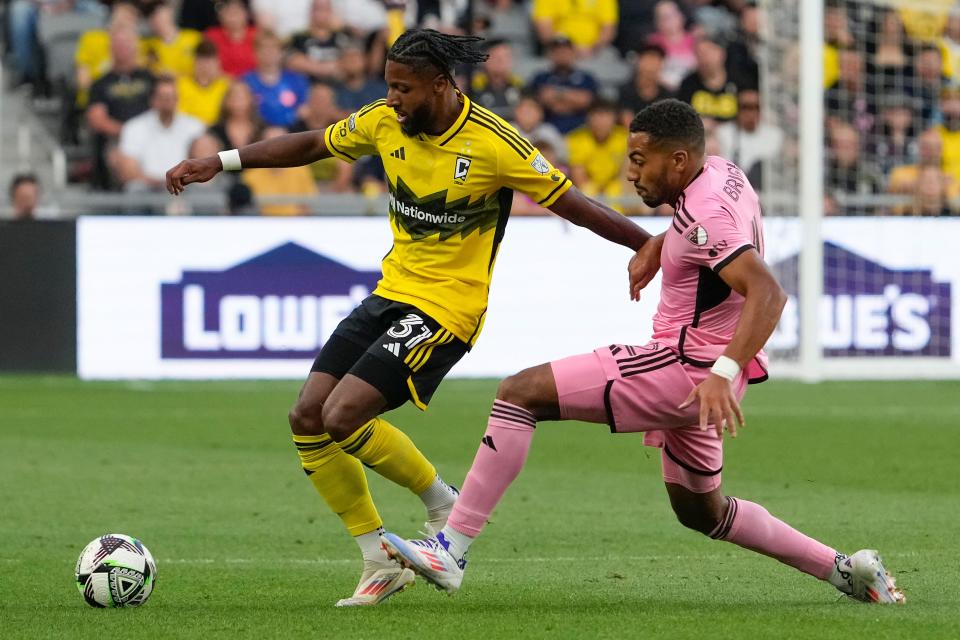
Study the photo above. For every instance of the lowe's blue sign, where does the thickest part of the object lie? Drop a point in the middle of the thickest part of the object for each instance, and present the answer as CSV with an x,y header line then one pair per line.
x,y
283,303
869,309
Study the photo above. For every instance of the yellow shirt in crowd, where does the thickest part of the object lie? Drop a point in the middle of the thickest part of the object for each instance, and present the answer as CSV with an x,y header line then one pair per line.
x,y
579,20
951,151
927,22
203,103
172,58
292,181
93,54
603,161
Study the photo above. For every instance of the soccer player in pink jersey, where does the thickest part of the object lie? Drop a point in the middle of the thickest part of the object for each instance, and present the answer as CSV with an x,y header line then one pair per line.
x,y
719,303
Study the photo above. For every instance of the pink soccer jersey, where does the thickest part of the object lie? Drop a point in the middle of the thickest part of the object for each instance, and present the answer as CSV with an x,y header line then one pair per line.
x,y
717,218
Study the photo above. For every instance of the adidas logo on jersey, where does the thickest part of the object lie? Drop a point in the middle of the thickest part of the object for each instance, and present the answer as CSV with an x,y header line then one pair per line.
x,y
393,347
400,154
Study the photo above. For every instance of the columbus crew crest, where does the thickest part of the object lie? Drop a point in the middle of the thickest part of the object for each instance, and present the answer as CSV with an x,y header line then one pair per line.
x,y
461,169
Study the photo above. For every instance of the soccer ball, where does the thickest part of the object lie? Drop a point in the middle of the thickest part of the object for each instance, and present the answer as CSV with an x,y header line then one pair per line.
x,y
116,571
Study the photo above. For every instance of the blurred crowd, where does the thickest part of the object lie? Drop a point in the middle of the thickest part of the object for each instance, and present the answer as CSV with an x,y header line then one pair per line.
x,y
145,84
892,103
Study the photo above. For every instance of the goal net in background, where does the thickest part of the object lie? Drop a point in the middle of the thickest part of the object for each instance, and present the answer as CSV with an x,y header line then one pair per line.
x,y
862,202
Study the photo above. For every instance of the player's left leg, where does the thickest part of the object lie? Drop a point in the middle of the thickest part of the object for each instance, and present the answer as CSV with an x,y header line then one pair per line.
x,y
747,524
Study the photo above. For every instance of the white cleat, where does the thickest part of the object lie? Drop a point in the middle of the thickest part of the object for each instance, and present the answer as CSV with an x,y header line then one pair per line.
x,y
428,558
868,580
379,583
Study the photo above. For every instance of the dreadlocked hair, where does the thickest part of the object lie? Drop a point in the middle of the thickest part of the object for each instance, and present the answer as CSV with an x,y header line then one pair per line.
x,y
420,48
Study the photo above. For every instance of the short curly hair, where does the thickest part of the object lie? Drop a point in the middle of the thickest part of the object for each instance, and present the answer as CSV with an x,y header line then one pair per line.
x,y
671,123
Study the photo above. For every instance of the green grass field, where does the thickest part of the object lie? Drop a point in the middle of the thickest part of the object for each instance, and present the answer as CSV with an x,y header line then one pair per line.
x,y
583,546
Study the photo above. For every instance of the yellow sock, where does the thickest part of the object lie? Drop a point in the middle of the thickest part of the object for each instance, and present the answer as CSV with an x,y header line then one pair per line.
x,y
341,481
388,451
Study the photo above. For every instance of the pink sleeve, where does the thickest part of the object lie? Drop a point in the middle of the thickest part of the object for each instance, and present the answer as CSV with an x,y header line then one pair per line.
x,y
716,237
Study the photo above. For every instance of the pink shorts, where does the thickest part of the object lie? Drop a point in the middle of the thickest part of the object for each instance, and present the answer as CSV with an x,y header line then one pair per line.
x,y
635,389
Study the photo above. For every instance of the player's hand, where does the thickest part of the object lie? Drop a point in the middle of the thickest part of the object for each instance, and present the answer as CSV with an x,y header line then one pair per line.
x,y
718,405
190,171
644,265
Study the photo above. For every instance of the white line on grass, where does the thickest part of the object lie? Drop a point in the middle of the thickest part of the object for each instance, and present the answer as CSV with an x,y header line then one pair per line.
x,y
519,559
348,561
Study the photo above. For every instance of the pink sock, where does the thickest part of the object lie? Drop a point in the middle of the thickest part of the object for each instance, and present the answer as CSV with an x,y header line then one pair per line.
x,y
503,450
751,526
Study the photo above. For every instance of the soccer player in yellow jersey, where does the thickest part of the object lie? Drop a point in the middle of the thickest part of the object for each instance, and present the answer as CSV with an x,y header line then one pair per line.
x,y
452,167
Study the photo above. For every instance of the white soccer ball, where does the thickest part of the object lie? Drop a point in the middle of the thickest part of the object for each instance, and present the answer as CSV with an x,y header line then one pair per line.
x,y
116,571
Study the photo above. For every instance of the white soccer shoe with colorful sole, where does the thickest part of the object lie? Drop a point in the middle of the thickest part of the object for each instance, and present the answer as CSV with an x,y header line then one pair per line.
x,y
869,581
378,584
427,558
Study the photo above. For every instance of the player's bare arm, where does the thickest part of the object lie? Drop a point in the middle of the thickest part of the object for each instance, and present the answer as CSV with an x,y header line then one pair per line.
x,y
610,225
764,300
644,265
289,150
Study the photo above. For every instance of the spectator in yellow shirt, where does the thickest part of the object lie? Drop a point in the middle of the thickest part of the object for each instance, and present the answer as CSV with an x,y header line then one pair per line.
x,y
949,129
837,36
92,58
201,93
589,24
597,151
904,179
169,49
950,46
927,22
290,181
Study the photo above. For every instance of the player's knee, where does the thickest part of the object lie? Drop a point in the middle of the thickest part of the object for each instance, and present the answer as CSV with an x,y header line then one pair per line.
x,y
507,390
339,420
516,390
700,518
305,421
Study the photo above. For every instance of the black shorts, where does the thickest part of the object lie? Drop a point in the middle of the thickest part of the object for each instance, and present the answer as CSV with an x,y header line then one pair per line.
x,y
400,350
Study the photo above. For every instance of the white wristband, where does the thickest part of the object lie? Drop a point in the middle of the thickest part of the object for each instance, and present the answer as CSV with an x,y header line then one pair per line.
x,y
230,160
725,368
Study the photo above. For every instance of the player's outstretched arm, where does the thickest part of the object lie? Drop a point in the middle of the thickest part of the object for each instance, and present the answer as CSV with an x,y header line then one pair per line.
x,y
608,224
289,150
748,275
599,218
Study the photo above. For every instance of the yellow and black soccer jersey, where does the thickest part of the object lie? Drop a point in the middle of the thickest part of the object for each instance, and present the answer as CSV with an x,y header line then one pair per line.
x,y
450,198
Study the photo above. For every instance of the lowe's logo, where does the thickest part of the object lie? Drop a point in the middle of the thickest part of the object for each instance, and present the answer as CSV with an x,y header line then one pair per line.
x,y
868,309
284,303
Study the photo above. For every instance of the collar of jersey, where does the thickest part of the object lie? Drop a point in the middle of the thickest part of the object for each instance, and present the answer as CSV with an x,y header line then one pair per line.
x,y
683,194
454,128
